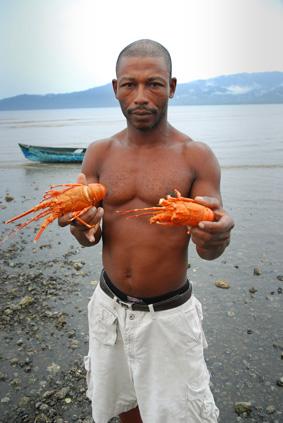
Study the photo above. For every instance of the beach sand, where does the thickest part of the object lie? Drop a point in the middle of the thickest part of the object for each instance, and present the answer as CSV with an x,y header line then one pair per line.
x,y
45,288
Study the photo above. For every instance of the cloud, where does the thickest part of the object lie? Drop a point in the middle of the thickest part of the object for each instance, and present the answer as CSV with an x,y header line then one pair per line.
x,y
240,89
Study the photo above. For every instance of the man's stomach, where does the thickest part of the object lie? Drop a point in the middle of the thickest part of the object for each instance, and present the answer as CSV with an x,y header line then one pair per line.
x,y
144,260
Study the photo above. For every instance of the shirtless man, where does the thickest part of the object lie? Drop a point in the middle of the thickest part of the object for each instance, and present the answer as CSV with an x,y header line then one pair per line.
x,y
145,359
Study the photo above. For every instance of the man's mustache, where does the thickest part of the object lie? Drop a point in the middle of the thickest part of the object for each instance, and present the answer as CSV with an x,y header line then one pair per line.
x,y
141,109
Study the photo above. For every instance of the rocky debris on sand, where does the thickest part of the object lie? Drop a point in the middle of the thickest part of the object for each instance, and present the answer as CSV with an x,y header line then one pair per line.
x,y
78,265
43,323
278,346
3,377
61,320
243,408
26,301
280,278
270,409
279,382
221,283
9,197
257,271
252,290
62,393
73,344
53,368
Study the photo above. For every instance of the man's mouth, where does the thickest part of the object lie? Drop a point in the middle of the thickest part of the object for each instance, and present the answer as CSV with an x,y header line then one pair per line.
x,y
140,112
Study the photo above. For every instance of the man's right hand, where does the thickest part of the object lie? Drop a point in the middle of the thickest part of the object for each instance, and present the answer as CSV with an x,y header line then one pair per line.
x,y
86,236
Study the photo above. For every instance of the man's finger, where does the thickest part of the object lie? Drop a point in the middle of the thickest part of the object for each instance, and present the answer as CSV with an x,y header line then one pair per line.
x,y
225,223
210,202
218,214
93,215
81,179
90,234
65,220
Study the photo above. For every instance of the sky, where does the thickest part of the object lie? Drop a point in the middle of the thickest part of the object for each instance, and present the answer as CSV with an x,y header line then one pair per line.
x,y
55,46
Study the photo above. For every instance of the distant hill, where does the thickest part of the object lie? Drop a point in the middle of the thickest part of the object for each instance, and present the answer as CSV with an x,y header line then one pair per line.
x,y
241,88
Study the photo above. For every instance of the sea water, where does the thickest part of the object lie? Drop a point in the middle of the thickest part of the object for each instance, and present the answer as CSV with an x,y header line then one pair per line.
x,y
240,136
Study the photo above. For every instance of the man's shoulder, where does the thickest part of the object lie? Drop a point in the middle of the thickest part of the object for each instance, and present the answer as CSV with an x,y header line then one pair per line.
x,y
101,144
100,147
197,153
187,142
95,155
192,146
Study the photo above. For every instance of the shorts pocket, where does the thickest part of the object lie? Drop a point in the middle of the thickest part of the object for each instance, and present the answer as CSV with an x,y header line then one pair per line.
x,y
201,405
104,326
193,325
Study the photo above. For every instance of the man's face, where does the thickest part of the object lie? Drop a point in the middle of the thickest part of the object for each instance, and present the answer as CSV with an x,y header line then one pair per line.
x,y
143,87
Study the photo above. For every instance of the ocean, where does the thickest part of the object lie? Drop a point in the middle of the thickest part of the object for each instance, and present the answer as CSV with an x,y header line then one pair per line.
x,y
240,136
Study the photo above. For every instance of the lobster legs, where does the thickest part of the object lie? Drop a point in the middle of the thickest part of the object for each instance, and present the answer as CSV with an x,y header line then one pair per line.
x,y
76,216
54,216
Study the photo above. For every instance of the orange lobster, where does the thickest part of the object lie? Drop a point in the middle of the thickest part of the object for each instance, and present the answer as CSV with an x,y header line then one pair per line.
x,y
75,198
175,211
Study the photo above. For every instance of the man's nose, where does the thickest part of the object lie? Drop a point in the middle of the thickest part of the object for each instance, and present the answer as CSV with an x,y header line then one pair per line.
x,y
140,95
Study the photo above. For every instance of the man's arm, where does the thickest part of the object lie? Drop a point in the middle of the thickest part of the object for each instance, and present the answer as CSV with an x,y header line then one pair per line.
x,y
211,238
87,237
90,174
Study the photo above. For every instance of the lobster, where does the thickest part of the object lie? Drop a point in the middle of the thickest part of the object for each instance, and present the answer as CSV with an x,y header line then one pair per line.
x,y
174,211
75,198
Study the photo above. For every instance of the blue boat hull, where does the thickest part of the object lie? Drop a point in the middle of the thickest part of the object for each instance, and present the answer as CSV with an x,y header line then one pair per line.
x,y
53,154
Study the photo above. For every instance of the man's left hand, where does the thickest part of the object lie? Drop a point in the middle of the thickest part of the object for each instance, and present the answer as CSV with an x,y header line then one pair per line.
x,y
211,238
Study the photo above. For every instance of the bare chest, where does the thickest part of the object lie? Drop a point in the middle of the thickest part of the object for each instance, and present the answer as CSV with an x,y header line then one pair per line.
x,y
132,176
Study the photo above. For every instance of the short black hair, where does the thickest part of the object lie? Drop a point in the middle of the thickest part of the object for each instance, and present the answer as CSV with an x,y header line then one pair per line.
x,y
146,48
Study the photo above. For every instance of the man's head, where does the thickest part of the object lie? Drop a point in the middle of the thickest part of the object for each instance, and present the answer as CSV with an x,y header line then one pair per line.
x,y
144,83
146,48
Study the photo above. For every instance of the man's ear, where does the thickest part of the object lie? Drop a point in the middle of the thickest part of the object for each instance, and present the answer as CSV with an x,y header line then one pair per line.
x,y
114,85
173,84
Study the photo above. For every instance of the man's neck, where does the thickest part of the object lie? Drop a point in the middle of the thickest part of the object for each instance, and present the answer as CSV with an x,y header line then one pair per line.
x,y
150,137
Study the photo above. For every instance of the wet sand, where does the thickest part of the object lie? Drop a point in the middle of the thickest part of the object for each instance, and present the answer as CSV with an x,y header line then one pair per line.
x,y
45,288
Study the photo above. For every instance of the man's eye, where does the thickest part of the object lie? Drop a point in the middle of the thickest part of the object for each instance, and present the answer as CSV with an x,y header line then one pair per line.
x,y
155,84
127,84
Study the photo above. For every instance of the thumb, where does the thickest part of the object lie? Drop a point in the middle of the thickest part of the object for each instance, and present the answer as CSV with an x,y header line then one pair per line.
x,y
90,234
81,179
218,214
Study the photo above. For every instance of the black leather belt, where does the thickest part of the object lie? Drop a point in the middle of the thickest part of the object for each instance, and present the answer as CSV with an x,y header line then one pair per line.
x,y
172,302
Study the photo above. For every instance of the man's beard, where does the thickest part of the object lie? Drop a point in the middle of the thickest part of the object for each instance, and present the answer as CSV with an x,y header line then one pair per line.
x,y
127,112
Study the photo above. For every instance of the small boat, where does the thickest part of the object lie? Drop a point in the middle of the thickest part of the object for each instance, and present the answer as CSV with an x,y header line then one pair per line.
x,y
53,154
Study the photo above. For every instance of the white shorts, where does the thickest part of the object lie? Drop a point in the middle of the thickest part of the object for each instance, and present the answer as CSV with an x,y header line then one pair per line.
x,y
150,359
